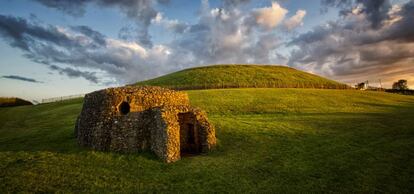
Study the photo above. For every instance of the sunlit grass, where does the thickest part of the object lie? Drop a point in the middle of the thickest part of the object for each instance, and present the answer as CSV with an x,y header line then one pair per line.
x,y
269,140
242,76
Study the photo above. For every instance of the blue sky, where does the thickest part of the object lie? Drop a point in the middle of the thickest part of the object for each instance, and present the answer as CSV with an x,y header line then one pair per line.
x,y
113,43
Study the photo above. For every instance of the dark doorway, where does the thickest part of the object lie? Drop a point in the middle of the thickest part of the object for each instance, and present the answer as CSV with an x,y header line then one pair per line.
x,y
189,141
124,108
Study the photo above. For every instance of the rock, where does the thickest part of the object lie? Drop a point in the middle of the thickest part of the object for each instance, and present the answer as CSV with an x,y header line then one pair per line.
x,y
132,119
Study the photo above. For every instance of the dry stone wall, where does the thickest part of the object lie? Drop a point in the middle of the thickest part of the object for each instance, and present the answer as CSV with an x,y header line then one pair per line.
x,y
133,119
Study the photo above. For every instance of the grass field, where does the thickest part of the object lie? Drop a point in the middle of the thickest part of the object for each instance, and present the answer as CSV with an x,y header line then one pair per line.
x,y
269,140
242,76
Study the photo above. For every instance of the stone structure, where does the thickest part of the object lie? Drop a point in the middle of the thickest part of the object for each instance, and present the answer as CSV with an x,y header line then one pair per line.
x,y
133,119
362,86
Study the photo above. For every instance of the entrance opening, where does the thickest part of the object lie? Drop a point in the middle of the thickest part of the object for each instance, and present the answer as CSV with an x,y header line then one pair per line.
x,y
189,140
124,108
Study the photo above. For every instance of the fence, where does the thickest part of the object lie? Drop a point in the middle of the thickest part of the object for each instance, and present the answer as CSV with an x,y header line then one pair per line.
x,y
62,98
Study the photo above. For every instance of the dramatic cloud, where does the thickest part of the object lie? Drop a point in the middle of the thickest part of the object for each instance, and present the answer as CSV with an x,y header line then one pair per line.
x,y
82,49
295,21
234,3
74,7
371,39
91,76
219,35
363,44
231,36
142,11
21,78
174,26
376,11
270,17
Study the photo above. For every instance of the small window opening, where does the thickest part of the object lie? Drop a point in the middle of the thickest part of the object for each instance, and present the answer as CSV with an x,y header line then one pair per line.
x,y
124,108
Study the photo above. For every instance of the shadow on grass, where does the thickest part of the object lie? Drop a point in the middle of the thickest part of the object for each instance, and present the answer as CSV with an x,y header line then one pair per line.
x,y
334,152
63,140
295,152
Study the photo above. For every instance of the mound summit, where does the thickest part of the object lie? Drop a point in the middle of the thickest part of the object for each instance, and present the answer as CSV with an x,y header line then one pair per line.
x,y
242,76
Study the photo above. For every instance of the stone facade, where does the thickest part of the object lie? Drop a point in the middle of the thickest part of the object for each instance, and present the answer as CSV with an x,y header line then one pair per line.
x,y
133,119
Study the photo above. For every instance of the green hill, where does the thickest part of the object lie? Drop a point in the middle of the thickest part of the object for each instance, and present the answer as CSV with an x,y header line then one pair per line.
x,y
269,141
7,102
242,76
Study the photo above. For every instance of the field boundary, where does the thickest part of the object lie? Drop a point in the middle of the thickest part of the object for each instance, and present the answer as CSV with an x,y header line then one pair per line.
x,y
62,98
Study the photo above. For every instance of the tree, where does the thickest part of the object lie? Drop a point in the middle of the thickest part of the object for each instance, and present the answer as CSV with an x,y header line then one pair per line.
x,y
400,85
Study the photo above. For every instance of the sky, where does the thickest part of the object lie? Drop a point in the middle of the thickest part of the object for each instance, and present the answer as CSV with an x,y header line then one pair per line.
x,y
52,48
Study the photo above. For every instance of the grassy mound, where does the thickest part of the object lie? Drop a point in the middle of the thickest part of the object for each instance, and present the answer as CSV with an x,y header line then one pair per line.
x,y
270,140
242,76
8,102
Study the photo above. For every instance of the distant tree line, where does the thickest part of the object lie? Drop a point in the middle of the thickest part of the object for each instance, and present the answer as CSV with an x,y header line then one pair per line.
x,y
9,102
401,87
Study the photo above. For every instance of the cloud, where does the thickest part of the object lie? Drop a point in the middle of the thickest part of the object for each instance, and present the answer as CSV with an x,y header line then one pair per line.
x,y
74,7
70,72
141,11
21,78
269,17
228,4
78,50
376,11
219,35
227,36
15,30
295,21
359,44
174,26
371,39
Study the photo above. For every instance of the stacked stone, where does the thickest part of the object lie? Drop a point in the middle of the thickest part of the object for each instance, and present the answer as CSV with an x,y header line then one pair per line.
x,y
143,98
150,121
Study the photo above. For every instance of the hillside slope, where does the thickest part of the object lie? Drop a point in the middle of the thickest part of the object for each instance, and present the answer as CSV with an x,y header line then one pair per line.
x,y
242,76
8,102
269,141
